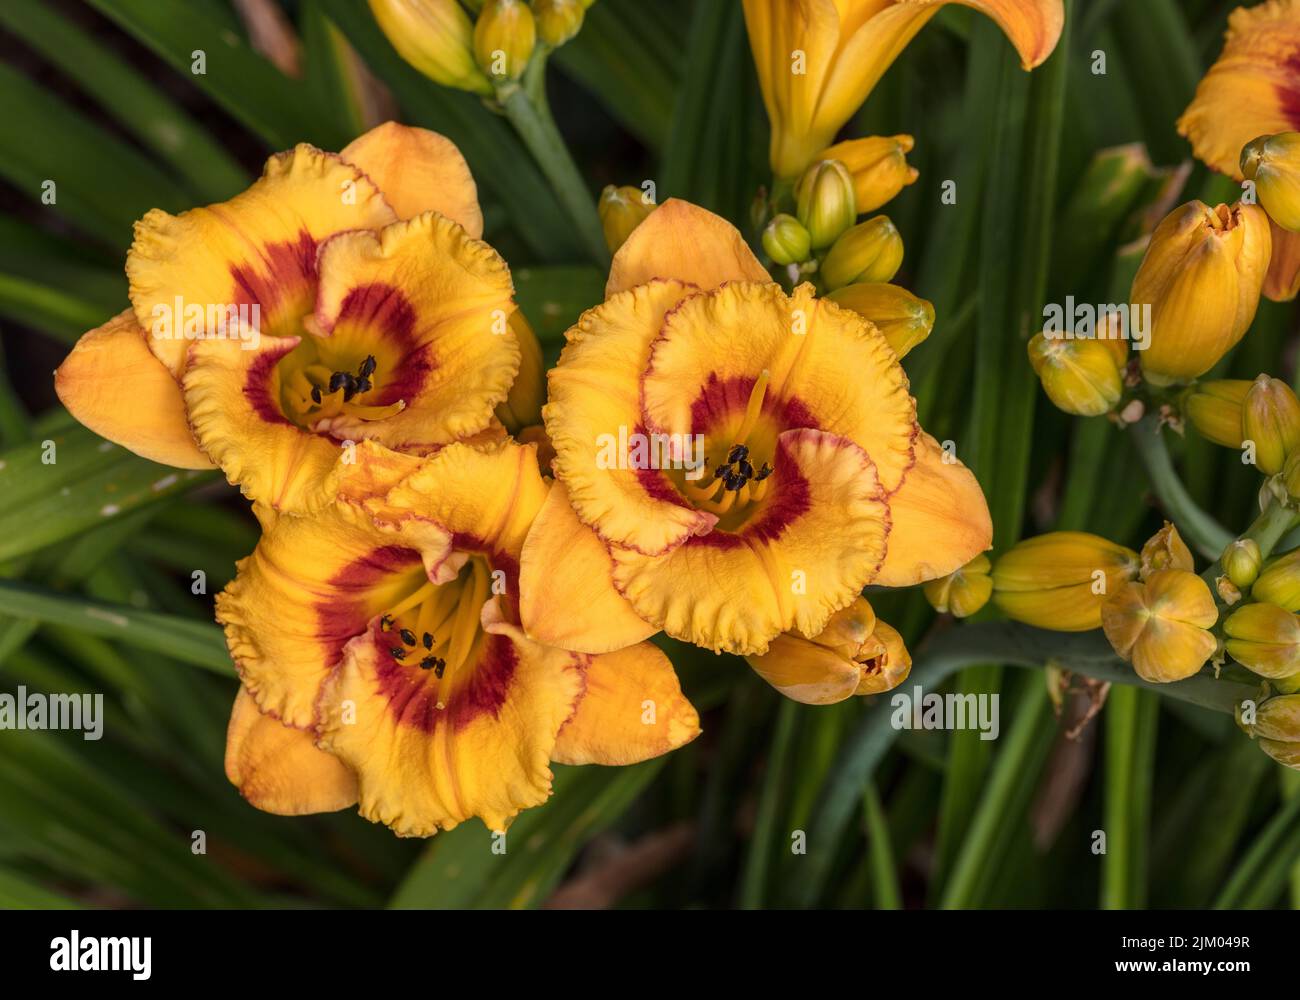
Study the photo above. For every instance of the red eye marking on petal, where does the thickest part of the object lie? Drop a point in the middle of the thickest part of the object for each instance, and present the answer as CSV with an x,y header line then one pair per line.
x,y
257,385
719,401
345,613
385,314
285,274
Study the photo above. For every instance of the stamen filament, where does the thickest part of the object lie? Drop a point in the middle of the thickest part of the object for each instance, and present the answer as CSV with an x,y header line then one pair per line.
x,y
412,599
754,407
467,618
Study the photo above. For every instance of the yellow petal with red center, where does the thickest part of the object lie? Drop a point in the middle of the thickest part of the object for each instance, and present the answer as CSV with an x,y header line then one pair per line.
x,y
566,586
418,171
594,413
234,401
113,384
632,709
686,243
1283,279
829,369
938,519
1253,89
430,753
279,769
312,584
257,249
807,550
433,307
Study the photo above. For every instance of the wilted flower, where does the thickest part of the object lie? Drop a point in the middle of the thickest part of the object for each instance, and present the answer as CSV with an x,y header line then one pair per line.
x,y
1061,579
1201,276
1165,550
1161,625
905,319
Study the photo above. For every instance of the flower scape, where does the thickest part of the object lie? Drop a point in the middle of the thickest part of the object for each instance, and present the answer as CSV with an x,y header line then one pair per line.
x,y
552,503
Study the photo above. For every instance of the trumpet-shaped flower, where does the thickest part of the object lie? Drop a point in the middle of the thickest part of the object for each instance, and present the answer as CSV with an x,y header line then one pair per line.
x,y
382,660
314,309
738,462
818,60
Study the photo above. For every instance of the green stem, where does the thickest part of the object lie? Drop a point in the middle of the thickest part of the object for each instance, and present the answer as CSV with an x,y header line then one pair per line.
x,y
1204,533
537,129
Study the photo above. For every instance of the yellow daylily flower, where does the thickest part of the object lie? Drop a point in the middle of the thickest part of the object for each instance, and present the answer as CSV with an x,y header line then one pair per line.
x,y
318,307
810,476
1161,625
382,660
855,653
818,60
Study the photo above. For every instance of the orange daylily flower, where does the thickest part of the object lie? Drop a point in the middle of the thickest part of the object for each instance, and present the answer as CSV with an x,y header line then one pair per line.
x,y
382,659
340,298
1249,92
818,60
817,480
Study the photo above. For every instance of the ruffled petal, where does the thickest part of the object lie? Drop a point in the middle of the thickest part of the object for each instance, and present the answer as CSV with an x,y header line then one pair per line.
x,y
113,384
683,242
939,519
631,709
279,769
829,370
595,409
566,586
258,249
418,171
433,307
1253,89
430,753
808,549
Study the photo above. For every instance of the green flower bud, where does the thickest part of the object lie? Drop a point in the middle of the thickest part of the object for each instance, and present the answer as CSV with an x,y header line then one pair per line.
x,y
1241,561
871,251
1273,163
1279,582
786,241
558,20
826,206
504,38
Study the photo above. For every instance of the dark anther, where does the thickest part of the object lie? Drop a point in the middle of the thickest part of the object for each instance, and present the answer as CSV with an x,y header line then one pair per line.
x,y
363,384
763,473
386,622
398,653
732,482
349,388
738,453
428,663
428,640
720,471
745,468
408,636
315,394
338,380
367,367
439,667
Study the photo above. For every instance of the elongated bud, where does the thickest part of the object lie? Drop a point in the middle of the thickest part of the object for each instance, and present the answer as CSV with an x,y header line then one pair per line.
x,y
1201,276
1273,163
854,654
964,592
871,251
1214,408
558,20
878,165
1165,550
1264,638
786,241
505,35
1060,580
622,209
1161,625
905,319
826,207
1279,582
1278,719
434,36
1270,417
1241,561
1080,376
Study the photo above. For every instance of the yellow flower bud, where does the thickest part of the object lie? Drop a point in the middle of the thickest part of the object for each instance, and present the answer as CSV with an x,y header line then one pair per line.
x,y
558,20
878,165
1286,754
854,654
1202,275
1165,550
1273,163
1214,408
1060,580
964,592
1080,376
1279,582
1278,719
434,36
622,209
786,241
1270,417
1264,638
505,35
522,407
1161,625
1241,561
824,196
869,252
905,319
